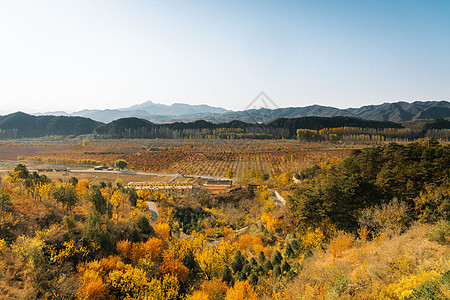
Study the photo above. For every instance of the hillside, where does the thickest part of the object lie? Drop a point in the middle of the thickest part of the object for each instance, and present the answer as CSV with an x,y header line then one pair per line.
x,y
21,125
374,225
280,128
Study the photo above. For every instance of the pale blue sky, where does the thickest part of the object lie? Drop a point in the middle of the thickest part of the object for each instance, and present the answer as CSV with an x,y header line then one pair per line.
x,y
70,55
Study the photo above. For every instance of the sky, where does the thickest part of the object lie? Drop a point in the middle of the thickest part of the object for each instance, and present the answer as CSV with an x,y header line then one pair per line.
x,y
92,54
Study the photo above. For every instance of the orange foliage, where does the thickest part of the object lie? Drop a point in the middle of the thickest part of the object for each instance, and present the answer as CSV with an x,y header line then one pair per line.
x,y
124,248
257,245
340,242
106,192
172,265
244,241
215,288
199,295
111,263
91,286
150,249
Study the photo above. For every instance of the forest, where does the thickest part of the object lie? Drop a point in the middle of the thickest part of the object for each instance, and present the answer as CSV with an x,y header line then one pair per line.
x,y
372,223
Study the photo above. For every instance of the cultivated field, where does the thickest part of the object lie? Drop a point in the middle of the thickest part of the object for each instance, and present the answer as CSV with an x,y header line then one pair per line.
x,y
197,157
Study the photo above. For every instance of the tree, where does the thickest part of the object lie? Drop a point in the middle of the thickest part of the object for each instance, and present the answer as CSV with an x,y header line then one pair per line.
x,y
215,288
276,258
116,200
238,262
99,201
253,279
21,171
277,271
267,266
67,195
285,267
73,181
5,199
229,174
172,265
128,283
121,164
210,262
261,257
241,290
288,252
226,274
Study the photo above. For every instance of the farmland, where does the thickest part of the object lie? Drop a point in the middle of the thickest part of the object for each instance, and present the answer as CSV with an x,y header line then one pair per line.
x,y
197,157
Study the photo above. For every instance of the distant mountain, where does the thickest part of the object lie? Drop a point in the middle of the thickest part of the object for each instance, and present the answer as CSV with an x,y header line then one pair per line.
x,y
395,112
149,110
178,112
266,115
21,125
403,111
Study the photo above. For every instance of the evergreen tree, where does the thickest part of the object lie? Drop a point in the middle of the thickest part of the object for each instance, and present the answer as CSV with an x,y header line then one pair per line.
x,y
276,258
247,269
226,274
238,262
253,279
285,267
288,252
267,266
277,271
261,257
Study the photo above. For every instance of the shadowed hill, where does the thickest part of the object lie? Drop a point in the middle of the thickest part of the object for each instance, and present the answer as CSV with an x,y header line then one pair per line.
x,y
21,125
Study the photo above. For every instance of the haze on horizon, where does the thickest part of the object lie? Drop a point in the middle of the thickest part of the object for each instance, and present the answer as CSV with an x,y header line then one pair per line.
x,y
74,55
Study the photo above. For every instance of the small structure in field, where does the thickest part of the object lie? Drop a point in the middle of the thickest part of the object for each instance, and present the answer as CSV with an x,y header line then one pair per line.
x,y
169,189
218,186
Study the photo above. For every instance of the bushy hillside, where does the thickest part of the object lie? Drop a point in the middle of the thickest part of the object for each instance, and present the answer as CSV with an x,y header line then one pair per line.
x,y
373,226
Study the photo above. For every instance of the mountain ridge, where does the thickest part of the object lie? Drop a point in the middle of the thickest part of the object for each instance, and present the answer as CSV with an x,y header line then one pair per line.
x,y
179,112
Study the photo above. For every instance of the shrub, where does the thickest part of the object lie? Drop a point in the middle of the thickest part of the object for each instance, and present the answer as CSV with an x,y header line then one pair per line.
x,y
433,204
391,218
341,242
440,232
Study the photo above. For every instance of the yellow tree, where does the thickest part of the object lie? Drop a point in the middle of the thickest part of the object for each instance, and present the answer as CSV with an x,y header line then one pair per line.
x,y
162,230
106,192
40,190
165,289
225,250
211,262
116,200
82,187
271,223
129,283
199,295
241,290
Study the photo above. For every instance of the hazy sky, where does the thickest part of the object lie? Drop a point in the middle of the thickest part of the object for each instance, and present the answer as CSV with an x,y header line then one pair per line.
x,y
71,55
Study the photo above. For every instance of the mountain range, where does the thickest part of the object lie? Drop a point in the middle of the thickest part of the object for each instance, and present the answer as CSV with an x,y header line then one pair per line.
x,y
142,120
178,112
